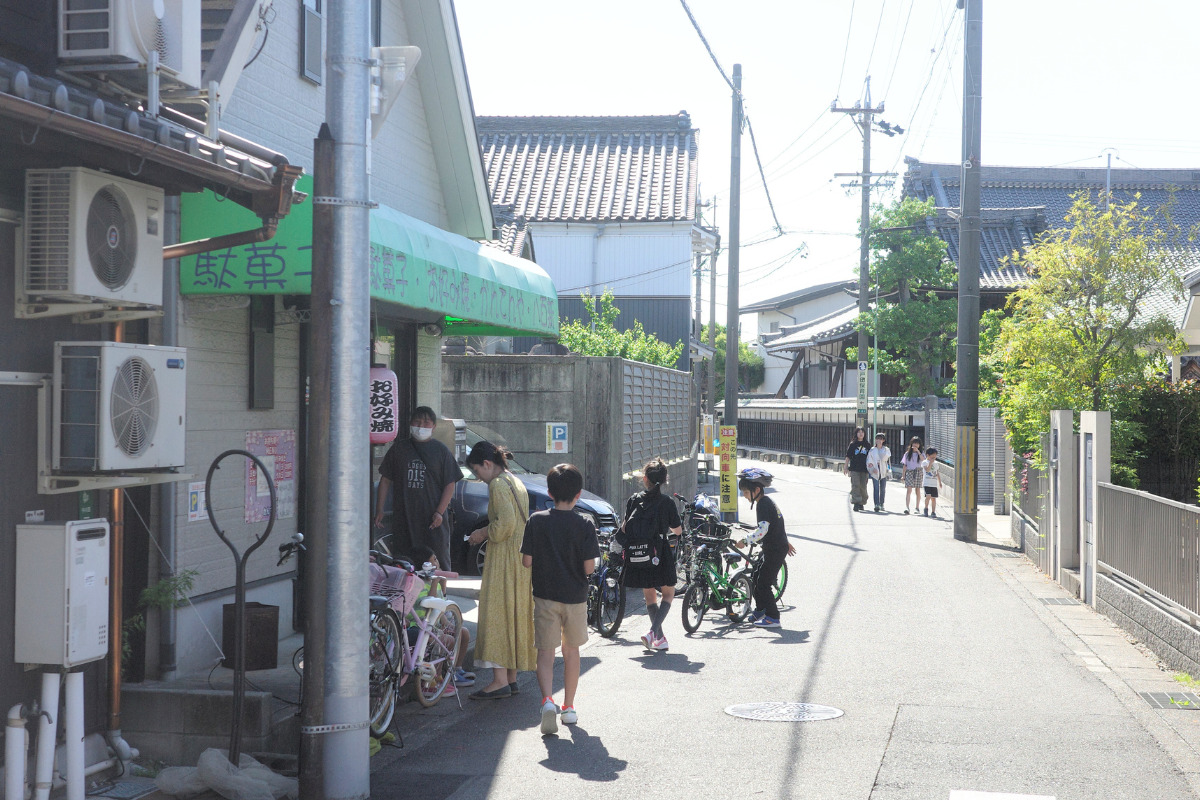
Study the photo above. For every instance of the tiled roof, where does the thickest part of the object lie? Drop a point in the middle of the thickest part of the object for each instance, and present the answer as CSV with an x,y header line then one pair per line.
x,y
829,328
512,231
1019,203
591,169
798,296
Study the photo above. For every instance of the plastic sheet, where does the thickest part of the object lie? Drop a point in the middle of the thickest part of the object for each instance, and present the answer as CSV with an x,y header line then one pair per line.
x,y
249,780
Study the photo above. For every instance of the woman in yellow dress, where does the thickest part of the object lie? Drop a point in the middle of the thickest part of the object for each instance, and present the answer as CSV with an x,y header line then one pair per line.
x,y
504,640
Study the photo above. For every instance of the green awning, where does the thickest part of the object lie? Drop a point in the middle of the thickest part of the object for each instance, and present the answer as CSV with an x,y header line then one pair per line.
x,y
476,289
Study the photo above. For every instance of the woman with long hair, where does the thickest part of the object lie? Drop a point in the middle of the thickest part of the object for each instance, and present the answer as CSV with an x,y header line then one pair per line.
x,y
649,560
911,463
856,466
504,638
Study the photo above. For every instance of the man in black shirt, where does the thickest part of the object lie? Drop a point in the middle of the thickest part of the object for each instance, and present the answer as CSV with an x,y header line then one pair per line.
x,y
561,548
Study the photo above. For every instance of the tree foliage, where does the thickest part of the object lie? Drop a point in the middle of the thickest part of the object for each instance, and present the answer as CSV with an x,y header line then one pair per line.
x,y
915,324
751,366
599,335
1079,330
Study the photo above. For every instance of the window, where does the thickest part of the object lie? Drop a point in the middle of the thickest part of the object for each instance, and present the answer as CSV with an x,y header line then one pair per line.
x,y
774,327
312,41
377,23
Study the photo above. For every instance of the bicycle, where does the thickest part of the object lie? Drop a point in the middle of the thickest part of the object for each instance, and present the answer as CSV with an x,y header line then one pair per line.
x,y
713,586
410,635
606,588
697,518
753,567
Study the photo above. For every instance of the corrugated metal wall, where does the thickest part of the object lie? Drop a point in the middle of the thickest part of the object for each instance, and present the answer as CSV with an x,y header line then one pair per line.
x,y
940,433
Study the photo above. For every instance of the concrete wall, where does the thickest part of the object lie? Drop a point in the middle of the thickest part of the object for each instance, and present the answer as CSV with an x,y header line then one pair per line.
x,y
1174,641
619,413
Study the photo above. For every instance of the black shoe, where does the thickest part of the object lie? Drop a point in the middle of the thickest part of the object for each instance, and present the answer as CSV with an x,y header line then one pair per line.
x,y
513,688
496,694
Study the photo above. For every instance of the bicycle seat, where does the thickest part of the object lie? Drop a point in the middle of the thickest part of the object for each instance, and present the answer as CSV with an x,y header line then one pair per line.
x,y
378,603
436,603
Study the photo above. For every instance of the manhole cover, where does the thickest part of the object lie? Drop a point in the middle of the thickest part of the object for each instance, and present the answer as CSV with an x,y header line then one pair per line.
x,y
783,712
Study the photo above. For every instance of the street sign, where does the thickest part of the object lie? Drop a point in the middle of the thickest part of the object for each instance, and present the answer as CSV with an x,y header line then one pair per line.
x,y
862,392
862,366
728,453
556,437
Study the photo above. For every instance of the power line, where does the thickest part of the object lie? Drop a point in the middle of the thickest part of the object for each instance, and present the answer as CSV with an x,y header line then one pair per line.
x,y
837,91
932,69
899,50
742,100
763,175
875,41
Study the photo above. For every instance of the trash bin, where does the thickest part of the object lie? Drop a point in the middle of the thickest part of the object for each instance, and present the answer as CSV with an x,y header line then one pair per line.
x,y
262,635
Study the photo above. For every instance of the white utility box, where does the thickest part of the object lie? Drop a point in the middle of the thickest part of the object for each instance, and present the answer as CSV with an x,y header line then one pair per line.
x,y
62,592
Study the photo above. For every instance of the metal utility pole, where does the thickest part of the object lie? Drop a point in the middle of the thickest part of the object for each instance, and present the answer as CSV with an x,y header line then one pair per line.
x,y
735,233
712,322
863,115
966,418
334,755
698,363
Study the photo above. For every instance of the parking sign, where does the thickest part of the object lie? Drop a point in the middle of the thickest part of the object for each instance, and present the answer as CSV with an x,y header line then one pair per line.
x,y
556,437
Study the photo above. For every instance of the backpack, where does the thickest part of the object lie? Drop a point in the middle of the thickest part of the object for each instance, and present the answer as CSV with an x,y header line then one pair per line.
x,y
643,535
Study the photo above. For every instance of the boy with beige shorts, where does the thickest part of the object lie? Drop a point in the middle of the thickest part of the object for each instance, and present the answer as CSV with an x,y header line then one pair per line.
x,y
561,548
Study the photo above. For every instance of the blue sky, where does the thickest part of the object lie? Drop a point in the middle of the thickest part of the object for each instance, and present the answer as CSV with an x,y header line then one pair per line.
x,y
1062,80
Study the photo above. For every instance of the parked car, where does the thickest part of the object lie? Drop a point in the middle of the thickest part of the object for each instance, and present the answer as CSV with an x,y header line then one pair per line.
x,y
468,509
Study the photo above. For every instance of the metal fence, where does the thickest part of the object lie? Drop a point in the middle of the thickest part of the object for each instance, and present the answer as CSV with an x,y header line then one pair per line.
x,y
1151,543
827,439
1029,507
941,432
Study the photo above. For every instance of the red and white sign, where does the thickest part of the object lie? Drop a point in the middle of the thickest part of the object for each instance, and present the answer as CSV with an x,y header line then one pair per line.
x,y
385,407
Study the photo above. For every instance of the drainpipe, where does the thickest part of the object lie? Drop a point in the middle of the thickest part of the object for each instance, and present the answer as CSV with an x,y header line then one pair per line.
x,y
269,211
167,491
116,632
16,753
596,263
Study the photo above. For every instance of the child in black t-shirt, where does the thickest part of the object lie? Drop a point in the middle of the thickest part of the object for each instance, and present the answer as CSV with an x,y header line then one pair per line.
x,y
561,548
772,536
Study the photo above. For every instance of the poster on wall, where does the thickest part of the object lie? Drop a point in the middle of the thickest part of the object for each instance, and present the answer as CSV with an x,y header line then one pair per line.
x,y
727,451
277,451
197,508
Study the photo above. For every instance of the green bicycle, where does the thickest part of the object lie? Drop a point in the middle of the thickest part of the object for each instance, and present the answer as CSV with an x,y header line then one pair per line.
x,y
712,586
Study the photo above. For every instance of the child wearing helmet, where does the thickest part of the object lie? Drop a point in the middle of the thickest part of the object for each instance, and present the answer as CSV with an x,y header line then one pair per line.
x,y
773,536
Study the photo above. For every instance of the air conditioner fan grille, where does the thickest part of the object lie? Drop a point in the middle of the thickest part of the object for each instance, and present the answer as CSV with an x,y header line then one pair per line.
x,y
134,406
111,237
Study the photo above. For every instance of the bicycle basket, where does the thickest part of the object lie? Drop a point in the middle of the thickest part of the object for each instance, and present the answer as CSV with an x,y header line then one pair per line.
x,y
401,587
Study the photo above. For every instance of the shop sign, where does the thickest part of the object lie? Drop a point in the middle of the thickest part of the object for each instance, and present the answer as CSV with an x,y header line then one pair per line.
x,y
385,405
277,451
728,454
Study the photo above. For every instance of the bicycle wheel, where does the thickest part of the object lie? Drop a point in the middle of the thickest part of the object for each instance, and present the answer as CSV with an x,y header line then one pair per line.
x,y
611,609
435,666
695,603
384,653
740,596
683,560
593,604
780,583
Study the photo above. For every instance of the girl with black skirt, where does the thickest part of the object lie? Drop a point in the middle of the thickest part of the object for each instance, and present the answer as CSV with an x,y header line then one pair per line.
x,y
656,575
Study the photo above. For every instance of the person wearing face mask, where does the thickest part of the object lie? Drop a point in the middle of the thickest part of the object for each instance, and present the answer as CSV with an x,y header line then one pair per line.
x,y
424,472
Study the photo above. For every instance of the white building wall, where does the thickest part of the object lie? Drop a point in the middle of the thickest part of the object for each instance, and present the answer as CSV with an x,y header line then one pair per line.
x,y
776,367
633,259
273,106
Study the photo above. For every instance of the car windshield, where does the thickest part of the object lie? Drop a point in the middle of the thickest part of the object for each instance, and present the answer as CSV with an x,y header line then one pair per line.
x,y
476,434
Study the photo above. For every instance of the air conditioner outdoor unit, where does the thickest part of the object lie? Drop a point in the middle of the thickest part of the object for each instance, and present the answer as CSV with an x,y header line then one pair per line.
x,y
117,407
91,237
62,592
117,36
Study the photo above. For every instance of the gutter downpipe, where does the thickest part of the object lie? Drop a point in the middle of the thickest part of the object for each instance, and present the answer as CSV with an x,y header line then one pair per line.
x,y
16,753
595,266
167,620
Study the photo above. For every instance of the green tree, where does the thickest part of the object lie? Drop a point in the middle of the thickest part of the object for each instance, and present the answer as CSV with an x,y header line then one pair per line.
x,y
916,324
599,335
1079,331
752,369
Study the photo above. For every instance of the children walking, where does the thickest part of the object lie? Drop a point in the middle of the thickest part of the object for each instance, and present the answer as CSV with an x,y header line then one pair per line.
x,y
776,548
560,547
856,468
879,462
932,481
649,560
913,474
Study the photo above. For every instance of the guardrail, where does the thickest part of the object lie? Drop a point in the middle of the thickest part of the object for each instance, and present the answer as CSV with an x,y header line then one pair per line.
x,y
1152,544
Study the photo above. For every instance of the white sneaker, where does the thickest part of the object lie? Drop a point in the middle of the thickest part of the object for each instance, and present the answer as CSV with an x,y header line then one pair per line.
x,y
648,640
661,643
549,718
569,715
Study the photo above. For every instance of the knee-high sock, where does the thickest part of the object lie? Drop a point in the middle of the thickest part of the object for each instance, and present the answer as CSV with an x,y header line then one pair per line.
x,y
652,613
664,608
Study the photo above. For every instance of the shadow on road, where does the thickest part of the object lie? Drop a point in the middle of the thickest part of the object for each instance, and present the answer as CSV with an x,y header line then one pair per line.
x,y
582,754
670,662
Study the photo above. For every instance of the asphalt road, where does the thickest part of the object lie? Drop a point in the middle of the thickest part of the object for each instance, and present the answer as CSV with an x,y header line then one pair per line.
x,y
948,674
